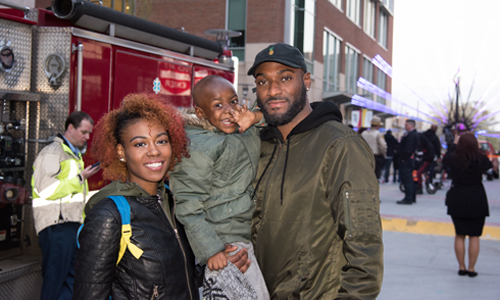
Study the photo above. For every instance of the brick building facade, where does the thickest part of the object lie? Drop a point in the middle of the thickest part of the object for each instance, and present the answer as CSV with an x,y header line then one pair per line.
x,y
338,37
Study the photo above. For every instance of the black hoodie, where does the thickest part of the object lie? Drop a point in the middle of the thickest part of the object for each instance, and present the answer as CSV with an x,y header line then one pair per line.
x,y
321,112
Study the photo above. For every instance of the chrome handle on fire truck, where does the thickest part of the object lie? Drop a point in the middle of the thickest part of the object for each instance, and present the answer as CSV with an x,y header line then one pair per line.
x,y
25,9
79,74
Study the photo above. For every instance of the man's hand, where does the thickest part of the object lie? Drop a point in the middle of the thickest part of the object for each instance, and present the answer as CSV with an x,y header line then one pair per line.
x,y
239,259
89,171
218,261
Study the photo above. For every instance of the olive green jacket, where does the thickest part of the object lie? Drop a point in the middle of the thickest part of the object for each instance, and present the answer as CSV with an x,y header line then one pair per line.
x,y
213,187
316,227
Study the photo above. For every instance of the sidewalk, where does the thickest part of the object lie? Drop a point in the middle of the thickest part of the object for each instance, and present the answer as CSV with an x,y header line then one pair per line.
x,y
419,257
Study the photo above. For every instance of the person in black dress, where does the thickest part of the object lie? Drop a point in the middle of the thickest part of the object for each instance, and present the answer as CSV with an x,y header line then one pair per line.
x,y
466,200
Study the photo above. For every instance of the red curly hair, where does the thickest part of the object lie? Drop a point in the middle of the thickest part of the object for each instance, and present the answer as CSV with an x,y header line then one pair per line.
x,y
108,131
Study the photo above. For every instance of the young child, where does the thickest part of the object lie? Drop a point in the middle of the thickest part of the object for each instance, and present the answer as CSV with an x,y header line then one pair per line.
x,y
213,188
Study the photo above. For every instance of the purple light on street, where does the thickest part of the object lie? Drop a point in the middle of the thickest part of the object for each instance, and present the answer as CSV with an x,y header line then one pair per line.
x,y
372,88
493,135
371,106
484,118
385,67
484,107
367,103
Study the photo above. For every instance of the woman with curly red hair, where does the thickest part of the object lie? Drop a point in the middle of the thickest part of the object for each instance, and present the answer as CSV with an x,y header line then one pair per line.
x,y
137,145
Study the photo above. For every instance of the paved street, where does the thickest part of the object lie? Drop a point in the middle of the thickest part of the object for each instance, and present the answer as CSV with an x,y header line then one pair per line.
x,y
419,258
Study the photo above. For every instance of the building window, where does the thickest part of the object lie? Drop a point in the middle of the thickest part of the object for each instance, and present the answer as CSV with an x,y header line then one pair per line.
x,y
351,69
304,30
369,18
368,73
125,6
381,84
367,69
236,20
337,3
331,59
354,11
383,27
389,4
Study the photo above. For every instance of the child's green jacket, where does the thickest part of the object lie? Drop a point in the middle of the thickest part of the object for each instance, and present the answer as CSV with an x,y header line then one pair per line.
x,y
213,188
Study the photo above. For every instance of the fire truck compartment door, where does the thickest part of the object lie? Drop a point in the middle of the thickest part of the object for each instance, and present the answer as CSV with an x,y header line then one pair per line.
x,y
136,73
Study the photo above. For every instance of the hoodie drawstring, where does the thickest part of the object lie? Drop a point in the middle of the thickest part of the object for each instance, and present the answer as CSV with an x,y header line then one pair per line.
x,y
265,169
284,170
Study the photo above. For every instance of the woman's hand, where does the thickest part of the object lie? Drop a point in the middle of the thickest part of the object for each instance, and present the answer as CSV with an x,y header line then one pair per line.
x,y
218,261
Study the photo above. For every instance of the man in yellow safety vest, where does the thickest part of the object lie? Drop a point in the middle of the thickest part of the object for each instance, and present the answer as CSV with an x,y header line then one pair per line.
x,y
59,186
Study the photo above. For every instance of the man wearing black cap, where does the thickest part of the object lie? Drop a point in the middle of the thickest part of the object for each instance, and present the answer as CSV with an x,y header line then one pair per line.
x,y
316,225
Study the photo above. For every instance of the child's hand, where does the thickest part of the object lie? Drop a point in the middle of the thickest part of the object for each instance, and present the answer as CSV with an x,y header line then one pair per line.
x,y
245,118
218,261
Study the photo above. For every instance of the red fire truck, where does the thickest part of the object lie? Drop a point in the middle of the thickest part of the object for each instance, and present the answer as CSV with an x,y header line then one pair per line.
x,y
76,56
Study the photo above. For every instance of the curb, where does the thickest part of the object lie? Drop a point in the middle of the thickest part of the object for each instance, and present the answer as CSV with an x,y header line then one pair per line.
x,y
416,226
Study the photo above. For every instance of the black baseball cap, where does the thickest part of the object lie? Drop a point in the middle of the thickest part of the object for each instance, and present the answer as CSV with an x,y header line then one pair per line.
x,y
280,53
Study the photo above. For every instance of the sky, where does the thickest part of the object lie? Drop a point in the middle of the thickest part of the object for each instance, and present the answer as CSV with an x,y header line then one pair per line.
x,y
434,40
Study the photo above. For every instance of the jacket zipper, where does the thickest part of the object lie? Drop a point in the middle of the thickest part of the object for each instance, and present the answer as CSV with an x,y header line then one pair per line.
x,y
155,292
279,149
264,199
348,214
172,223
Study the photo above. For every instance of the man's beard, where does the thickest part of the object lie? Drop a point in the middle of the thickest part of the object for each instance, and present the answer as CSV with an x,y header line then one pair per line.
x,y
298,104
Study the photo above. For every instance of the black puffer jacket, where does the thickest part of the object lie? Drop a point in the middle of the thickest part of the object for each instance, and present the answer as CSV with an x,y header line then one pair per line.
x,y
166,269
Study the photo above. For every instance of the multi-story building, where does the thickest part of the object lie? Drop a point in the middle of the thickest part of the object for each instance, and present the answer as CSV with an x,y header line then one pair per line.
x,y
337,37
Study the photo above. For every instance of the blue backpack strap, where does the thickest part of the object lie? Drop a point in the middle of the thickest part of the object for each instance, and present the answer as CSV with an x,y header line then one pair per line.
x,y
123,208
126,229
78,235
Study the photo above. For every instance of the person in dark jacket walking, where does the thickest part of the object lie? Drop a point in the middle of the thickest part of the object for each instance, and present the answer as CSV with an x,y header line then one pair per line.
x,y
425,157
408,146
466,199
430,134
392,145
316,228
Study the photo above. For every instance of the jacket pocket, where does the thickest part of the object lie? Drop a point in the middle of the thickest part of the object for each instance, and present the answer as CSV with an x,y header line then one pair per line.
x,y
361,212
